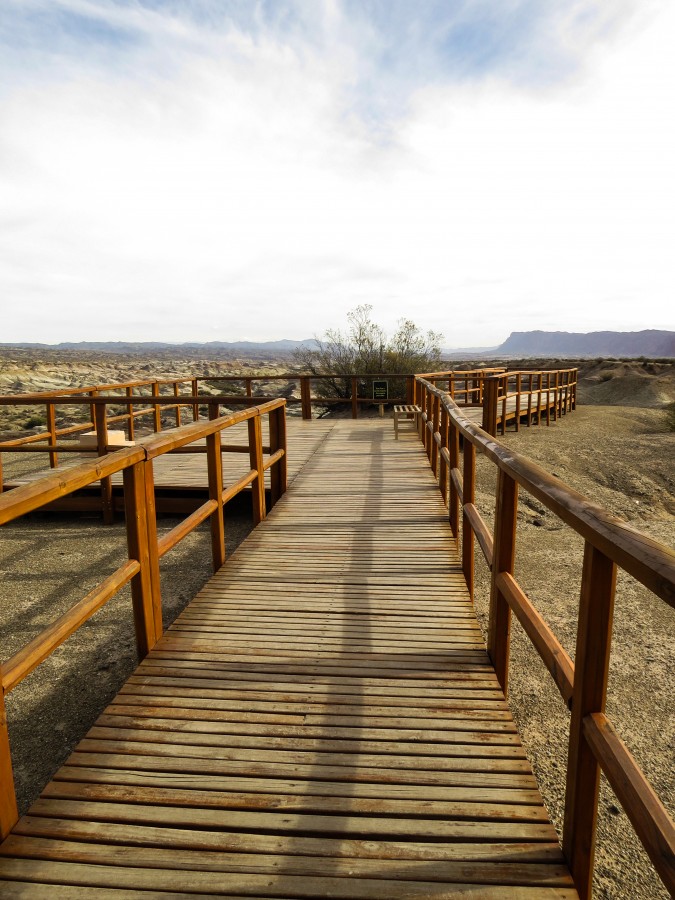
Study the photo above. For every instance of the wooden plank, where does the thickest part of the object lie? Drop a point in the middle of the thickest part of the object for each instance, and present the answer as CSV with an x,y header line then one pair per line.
x,y
242,842
230,864
281,885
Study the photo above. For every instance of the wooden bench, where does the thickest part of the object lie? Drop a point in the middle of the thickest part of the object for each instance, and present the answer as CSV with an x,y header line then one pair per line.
x,y
407,411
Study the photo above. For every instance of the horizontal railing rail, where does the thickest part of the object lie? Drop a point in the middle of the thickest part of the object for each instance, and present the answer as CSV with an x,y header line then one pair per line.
x,y
141,570
610,543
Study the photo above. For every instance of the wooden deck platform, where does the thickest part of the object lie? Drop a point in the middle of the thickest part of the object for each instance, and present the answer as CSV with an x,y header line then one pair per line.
x,y
321,721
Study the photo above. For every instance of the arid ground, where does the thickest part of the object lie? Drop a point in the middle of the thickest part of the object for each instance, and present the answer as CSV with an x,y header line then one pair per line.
x,y
616,449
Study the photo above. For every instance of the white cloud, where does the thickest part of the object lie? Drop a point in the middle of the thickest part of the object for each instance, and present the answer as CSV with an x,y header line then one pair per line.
x,y
222,185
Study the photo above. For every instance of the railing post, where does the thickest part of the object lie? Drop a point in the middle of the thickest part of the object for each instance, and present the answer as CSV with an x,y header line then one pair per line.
x,y
410,390
157,414
574,389
469,492
101,425
144,595
519,385
9,813
214,462
355,400
255,446
453,503
151,521
195,406
305,397
249,387
279,471
558,391
443,476
591,666
502,561
175,393
548,398
428,437
435,424
490,391
92,408
505,398
566,390
51,429
130,410
529,399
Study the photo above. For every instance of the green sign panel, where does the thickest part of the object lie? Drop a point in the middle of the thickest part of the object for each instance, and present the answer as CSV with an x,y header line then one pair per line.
x,y
380,390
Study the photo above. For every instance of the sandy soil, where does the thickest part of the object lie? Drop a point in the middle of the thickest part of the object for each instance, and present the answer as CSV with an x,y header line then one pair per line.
x,y
619,456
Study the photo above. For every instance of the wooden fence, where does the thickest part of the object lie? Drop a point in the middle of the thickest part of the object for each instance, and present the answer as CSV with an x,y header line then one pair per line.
x,y
609,543
156,397
503,395
545,394
145,550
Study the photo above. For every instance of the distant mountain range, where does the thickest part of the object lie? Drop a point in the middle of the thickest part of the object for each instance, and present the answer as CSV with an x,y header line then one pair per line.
x,y
651,343
281,346
595,343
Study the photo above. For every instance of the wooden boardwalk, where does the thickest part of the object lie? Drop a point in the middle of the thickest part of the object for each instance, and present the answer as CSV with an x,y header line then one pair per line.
x,y
321,721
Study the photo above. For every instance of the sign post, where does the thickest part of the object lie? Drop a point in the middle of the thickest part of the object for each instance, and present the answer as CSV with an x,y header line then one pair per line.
x,y
381,392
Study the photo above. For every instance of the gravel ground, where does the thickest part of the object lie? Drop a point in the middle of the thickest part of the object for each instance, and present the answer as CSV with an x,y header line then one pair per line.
x,y
620,457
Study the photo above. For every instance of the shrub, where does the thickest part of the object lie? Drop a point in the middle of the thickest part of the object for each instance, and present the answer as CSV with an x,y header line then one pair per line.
x,y
365,349
34,421
669,415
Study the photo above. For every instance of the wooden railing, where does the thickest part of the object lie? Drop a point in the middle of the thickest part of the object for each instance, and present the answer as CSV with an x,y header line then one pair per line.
x,y
354,390
145,550
609,543
156,397
74,396
545,394
465,386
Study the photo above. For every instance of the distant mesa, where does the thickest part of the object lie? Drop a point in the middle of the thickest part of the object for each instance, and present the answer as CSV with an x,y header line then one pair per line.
x,y
650,343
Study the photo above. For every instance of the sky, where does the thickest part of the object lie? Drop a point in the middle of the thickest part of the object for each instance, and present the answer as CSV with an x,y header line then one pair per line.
x,y
195,170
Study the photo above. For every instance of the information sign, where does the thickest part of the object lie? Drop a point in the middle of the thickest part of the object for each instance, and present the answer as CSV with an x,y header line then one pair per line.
x,y
380,390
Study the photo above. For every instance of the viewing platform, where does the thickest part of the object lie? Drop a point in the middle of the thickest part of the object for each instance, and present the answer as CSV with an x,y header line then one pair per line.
x,y
324,718
492,398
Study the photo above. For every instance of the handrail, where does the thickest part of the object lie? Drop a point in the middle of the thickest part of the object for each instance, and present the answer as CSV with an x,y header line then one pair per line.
x,y
144,548
609,543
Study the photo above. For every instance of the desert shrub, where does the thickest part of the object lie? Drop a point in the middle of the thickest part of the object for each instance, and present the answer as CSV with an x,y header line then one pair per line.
x,y
34,421
669,416
366,349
